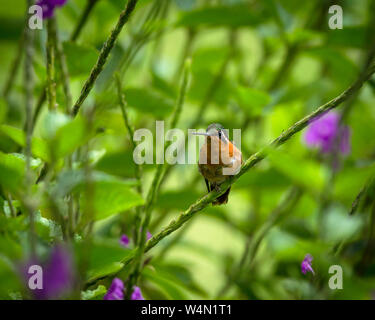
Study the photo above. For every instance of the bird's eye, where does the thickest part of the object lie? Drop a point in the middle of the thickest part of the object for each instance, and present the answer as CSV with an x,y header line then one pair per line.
x,y
220,134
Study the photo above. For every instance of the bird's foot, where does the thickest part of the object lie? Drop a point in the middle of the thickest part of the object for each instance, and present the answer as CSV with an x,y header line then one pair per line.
x,y
218,188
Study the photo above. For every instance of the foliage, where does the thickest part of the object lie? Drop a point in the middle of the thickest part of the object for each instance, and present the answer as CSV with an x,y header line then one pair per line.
x,y
67,172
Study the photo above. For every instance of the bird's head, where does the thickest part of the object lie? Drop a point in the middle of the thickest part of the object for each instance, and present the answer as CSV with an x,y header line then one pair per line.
x,y
215,130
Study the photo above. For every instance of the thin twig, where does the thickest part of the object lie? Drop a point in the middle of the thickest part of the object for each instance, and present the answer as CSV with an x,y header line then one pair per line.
x,y
51,45
104,53
61,58
90,4
138,168
14,66
8,198
29,87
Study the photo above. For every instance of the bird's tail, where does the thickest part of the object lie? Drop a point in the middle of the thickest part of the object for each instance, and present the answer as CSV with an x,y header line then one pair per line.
x,y
223,199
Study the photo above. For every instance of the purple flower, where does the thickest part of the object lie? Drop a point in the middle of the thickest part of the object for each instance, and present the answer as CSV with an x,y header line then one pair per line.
x,y
306,264
149,235
58,274
124,240
325,132
48,7
137,294
115,291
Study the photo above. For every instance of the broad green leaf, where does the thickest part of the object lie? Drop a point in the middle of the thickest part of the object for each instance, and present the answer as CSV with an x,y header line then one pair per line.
x,y
10,247
149,101
109,198
75,181
350,36
182,275
11,171
105,257
39,147
63,134
9,279
119,163
71,136
169,286
105,271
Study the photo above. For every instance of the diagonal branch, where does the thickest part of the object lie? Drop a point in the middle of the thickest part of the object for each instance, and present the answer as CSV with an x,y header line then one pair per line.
x,y
104,53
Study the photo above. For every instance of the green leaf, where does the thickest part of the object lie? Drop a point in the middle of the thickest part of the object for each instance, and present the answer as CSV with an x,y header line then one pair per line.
x,y
227,16
63,134
96,294
39,147
252,100
105,257
105,271
71,136
75,181
350,36
119,163
182,275
109,198
149,101
80,59
9,279
10,247
166,284
11,171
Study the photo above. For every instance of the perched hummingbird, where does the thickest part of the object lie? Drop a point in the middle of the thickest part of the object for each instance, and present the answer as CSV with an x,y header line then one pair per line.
x,y
217,157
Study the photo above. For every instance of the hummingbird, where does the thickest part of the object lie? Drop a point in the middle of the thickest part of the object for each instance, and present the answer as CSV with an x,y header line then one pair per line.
x,y
219,159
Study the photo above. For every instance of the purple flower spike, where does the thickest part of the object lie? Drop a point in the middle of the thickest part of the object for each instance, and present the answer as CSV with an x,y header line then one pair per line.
x,y
58,274
149,235
48,7
325,131
137,294
115,291
124,240
306,264
58,3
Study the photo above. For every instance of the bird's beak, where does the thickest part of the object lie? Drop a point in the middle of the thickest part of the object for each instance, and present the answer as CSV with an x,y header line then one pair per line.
x,y
201,134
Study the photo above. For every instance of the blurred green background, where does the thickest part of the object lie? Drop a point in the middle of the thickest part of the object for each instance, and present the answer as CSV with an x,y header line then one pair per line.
x,y
256,65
